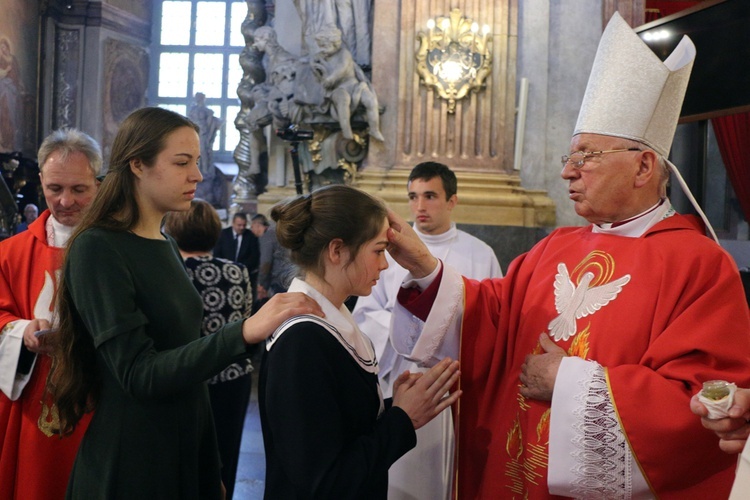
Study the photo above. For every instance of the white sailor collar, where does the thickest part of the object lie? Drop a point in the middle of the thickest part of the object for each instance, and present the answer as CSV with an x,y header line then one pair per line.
x,y
338,322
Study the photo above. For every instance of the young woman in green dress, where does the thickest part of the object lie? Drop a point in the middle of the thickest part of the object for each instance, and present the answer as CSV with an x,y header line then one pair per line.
x,y
130,344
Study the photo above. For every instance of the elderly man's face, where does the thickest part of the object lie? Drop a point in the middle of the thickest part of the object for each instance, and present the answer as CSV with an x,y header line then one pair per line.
x,y
69,186
603,188
31,213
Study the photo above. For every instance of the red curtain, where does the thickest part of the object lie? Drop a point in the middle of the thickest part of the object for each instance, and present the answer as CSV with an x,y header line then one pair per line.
x,y
733,136
656,9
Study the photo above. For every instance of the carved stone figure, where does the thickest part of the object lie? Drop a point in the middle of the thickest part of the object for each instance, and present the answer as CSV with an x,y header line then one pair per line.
x,y
322,87
209,125
352,17
345,83
315,15
213,187
270,100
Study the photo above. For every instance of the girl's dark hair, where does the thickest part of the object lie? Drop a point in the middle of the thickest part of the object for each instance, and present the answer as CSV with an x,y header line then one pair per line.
x,y
74,380
196,229
307,224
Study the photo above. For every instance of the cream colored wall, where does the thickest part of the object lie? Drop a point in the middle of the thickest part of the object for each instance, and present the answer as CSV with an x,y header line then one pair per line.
x,y
139,8
557,42
555,47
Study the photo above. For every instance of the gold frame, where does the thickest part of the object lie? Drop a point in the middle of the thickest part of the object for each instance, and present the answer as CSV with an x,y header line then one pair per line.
x,y
453,57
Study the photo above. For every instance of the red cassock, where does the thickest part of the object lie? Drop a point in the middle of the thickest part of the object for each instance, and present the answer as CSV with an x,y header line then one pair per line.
x,y
34,462
679,318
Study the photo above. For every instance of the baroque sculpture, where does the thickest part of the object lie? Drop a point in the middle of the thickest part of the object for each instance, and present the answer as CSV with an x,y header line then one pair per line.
x,y
324,89
213,187
344,82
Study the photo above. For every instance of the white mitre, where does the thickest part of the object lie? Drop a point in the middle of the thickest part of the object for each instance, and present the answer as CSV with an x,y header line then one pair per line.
x,y
633,94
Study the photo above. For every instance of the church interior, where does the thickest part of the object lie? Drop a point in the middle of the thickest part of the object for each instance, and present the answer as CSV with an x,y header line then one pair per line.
x,y
500,112
502,126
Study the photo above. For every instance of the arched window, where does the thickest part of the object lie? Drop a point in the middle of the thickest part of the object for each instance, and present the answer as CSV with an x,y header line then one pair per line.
x,y
195,48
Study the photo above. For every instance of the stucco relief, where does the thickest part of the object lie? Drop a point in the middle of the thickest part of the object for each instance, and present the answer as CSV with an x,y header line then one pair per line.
x,y
67,58
125,83
11,99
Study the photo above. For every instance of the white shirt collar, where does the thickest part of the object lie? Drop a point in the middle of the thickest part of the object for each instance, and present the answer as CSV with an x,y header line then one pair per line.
x,y
638,225
437,239
57,233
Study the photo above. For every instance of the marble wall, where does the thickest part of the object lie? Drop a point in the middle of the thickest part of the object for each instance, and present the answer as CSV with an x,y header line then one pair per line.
x,y
553,45
19,30
557,42
96,69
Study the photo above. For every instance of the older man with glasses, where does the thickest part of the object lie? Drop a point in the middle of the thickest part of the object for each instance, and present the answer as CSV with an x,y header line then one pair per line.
x,y
578,366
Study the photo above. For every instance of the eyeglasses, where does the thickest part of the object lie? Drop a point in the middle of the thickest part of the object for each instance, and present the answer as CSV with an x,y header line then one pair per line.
x,y
578,159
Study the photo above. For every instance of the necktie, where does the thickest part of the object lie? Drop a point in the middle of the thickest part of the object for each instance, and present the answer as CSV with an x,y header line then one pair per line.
x,y
237,243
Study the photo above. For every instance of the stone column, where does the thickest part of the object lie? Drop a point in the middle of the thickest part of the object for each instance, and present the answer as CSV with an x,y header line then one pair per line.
x,y
243,197
96,70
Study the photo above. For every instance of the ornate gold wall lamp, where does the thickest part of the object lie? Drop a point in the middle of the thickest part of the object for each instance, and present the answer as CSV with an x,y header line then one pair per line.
x,y
453,56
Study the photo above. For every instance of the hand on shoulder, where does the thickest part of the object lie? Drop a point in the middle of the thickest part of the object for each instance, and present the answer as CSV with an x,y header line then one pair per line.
x,y
278,309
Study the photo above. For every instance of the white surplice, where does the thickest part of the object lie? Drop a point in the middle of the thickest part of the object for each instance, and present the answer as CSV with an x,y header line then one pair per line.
x,y
427,470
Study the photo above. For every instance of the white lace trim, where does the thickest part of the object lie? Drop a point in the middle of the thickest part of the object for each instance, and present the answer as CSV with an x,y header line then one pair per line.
x,y
602,457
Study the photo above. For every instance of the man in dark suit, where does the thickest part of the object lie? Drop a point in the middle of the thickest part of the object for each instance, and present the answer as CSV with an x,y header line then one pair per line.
x,y
239,245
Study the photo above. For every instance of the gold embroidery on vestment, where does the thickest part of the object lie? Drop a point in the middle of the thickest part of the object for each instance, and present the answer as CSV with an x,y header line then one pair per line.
x,y
514,443
580,345
49,420
529,460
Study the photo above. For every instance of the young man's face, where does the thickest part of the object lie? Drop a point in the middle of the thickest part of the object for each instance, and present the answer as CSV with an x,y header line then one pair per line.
x,y
429,206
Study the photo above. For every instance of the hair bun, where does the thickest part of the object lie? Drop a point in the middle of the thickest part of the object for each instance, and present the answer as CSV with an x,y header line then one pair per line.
x,y
293,218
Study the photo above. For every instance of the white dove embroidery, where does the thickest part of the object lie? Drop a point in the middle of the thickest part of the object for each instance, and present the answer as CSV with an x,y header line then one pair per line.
x,y
573,302
45,301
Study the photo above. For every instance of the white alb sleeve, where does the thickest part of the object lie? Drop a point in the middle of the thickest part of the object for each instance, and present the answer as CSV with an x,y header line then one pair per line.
x,y
427,342
11,340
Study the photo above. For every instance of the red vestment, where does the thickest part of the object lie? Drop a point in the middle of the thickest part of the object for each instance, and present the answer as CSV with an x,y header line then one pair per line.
x,y
34,462
679,320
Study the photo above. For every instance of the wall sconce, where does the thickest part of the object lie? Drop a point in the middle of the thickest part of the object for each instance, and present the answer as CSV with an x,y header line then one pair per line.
x,y
453,56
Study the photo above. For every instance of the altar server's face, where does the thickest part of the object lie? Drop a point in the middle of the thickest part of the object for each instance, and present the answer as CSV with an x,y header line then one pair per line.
x,y
429,206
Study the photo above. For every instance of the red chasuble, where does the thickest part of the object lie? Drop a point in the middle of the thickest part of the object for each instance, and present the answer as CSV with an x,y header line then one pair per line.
x,y
34,462
678,319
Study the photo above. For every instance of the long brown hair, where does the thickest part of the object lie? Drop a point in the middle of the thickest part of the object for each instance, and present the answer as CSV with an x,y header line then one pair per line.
x,y
74,380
